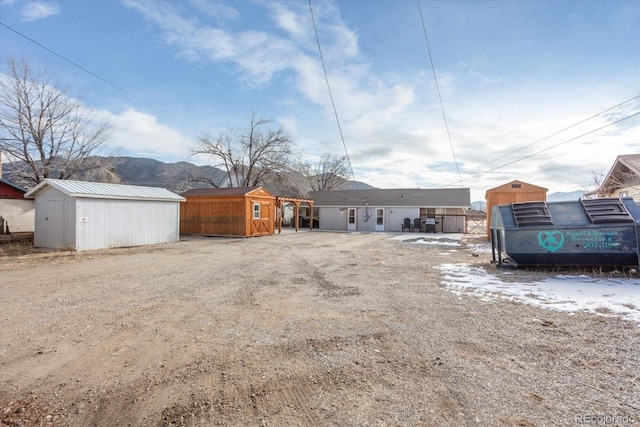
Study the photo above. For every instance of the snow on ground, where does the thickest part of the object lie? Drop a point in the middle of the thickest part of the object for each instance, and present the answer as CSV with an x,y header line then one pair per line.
x,y
445,239
620,297
570,293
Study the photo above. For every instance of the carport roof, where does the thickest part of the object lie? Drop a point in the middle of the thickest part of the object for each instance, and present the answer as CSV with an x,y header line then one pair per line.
x,y
400,197
100,190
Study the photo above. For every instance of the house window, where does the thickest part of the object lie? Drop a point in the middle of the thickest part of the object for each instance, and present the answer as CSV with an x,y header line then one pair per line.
x,y
256,211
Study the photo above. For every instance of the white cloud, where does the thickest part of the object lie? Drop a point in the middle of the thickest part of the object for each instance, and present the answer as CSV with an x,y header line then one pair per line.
x,y
141,134
393,125
34,10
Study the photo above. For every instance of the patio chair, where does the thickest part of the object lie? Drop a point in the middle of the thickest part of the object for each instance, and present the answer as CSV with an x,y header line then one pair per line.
x,y
406,225
416,224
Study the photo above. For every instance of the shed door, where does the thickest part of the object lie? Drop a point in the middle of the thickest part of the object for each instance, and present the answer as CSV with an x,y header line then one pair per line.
x,y
54,224
260,219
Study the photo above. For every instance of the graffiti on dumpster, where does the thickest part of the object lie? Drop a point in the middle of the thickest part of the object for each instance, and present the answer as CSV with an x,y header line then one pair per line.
x,y
551,240
595,239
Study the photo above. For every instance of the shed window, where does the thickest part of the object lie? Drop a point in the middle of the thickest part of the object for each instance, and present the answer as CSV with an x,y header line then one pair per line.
x,y
516,186
256,211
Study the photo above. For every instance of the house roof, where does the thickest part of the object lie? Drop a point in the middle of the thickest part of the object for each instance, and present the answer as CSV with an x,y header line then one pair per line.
x,y
12,185
224,191
400,197
100,190
624,164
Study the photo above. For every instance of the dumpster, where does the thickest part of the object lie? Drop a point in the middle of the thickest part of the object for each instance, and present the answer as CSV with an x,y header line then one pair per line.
x,y
587,232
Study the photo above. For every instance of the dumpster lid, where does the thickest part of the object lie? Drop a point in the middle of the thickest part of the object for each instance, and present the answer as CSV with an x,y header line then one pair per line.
x,y
606,210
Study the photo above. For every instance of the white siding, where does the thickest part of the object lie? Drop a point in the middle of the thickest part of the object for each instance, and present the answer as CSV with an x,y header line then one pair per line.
x,y
97,223
332,219
20,215
103,223
395,217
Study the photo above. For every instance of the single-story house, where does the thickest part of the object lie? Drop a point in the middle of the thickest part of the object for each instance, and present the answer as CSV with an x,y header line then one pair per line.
x,y
230,211
408,209
17,215
90,215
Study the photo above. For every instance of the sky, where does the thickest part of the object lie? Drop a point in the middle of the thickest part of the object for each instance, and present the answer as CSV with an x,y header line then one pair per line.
x,y
417,94
571,293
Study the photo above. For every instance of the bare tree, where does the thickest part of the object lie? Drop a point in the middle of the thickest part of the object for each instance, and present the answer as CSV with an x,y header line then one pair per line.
x,y
250,158
622,178
328,173
44,132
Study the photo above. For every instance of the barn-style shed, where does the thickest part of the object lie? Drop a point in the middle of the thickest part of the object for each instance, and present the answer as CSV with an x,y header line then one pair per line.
x,y
513,192
232,211
90,215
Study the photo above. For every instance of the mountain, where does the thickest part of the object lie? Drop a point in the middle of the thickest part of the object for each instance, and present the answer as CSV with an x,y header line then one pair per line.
x,y
562,197
178,177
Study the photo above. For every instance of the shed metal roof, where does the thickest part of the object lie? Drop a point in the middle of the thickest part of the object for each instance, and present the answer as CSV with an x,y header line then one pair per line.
x,y
400,197
100,190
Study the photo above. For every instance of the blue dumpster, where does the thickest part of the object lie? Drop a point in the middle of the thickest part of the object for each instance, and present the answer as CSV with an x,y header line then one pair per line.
x,y
586,232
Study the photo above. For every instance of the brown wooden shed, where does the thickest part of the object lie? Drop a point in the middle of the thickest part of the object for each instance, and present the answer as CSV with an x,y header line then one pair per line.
x,y
512,192
234,211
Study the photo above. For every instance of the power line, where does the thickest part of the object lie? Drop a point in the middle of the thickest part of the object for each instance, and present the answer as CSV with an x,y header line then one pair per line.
x,y
565,142
560,143
433,68
326,78
563,130
75,64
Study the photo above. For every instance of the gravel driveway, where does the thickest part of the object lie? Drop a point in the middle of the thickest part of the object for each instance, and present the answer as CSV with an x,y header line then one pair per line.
x,y
307,329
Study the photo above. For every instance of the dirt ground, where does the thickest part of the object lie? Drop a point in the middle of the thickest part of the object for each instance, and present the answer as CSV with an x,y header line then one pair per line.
x,y
305,329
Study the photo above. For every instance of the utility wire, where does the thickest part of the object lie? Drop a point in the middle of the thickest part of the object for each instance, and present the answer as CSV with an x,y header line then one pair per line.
x,y
75,64
560,143
565,142
433,68
563,130
326,78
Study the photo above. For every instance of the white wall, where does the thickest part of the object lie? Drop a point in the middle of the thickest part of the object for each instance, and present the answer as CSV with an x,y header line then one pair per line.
x,y
394,217
109,223
20,215
332,219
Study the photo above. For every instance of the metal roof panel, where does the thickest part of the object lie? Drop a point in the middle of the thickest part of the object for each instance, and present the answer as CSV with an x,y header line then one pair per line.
x,y
105,190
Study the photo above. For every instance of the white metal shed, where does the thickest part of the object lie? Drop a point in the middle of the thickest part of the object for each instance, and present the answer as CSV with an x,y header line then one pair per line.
x,y
89,215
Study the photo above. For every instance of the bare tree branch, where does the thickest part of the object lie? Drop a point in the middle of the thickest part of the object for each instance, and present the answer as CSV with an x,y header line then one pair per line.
x,y
250,158
44,132
329,173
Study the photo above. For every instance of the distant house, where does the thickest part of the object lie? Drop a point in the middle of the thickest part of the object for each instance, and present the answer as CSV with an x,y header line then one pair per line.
x,y
89,215
17,215
513,192
623,180
231,211
409,209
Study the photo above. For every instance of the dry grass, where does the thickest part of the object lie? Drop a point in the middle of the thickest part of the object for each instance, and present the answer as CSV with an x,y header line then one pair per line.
x,y
17,248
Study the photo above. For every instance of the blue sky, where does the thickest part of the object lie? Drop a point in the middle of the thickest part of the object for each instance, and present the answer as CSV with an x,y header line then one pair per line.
x,y
510,76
